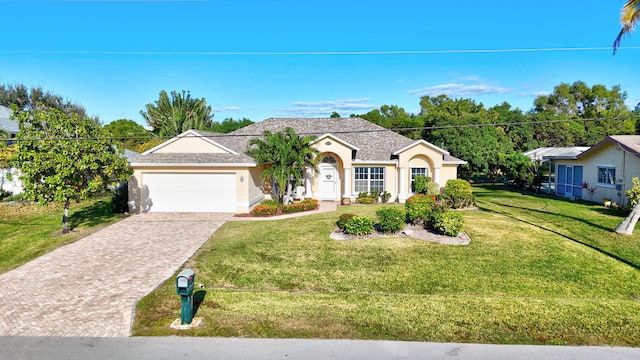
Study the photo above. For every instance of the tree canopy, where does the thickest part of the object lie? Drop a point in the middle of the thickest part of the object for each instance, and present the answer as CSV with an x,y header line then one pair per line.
x,y
128,132
170,116
229,124
64,158
31,99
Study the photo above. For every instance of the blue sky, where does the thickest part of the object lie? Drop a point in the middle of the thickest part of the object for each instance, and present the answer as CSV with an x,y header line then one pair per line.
x,y
260,59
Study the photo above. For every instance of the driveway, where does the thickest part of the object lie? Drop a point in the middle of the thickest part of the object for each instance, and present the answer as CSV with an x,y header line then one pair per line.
x,y
90,287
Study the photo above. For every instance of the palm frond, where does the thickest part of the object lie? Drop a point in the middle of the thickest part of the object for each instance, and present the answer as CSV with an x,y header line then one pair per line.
x,y
629,17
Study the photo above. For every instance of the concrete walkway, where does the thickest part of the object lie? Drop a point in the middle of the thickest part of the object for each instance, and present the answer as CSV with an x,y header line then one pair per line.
x,y
90,287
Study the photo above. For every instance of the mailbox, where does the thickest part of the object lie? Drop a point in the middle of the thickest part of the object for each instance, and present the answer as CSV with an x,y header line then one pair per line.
x,y
184,282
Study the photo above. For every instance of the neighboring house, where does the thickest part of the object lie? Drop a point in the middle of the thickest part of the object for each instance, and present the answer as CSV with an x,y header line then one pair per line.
x,y
200,171
606,167
13,185
544,155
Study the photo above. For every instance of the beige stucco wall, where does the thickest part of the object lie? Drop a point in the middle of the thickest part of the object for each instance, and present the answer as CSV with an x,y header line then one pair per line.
x,y
448,172
247,191
627,166
190,145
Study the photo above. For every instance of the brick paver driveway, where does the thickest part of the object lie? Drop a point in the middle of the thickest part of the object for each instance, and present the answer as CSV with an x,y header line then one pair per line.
x,y
90,287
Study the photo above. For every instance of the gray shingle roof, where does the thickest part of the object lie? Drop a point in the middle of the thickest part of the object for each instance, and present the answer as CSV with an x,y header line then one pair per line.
x,y
190,158
6,122
375,142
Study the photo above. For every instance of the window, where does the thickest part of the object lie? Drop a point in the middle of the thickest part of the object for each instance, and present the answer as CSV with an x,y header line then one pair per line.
x,y
369,179
607,175
416,172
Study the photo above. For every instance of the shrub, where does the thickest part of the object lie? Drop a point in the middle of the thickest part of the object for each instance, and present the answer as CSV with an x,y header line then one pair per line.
x,y
385,196
433,188
418,208
359,225
273,202
365,200
120,199
420,184
448,222
343,220
304,205
5,195
391,219
264,209
634,192
458,193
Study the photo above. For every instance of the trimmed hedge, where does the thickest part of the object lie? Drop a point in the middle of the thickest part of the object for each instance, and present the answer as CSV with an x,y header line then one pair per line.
x,y
449,223
264,210
342,220
391,220
458,194
359,225
418,208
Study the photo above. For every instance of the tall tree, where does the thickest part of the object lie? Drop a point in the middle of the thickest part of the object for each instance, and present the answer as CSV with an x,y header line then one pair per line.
x,y
284,154
229,124
128,132
64,158
629,17
467,130
172,116
396,118
35,98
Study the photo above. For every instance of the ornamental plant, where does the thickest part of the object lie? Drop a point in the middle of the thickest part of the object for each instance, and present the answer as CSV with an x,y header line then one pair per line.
x,y
418,208
449,223
458,194
264,209
342,220
390,219
359,225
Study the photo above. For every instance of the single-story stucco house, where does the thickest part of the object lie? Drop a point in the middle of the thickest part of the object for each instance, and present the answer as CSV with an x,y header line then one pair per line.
x,y
199,171
9,181
607,167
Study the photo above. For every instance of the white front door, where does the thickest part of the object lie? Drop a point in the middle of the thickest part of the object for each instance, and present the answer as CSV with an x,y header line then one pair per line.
x,y
328,182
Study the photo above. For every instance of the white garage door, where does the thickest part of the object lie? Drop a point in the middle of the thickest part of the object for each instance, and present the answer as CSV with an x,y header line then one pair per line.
x,y
170,192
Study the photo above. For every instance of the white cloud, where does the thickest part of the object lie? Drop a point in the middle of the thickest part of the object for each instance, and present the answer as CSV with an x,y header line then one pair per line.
x,y
456,89
227,109
470,78
344,107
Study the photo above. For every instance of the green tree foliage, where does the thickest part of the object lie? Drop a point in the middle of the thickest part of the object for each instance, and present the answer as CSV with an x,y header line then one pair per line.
x,y
465,129
128,132
629,17
334,115
170,116
23,98
229,124
578,101
285,155
64,158
397,119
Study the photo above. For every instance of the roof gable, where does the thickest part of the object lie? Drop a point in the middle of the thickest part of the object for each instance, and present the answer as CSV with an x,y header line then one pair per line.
x,y
334,138
193,142
628,143
421,142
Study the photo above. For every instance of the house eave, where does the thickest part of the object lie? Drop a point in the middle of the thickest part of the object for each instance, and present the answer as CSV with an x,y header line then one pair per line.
x,y
218,165
375,162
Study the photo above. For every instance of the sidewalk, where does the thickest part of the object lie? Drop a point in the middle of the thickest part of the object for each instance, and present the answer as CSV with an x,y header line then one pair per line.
x,y
152,348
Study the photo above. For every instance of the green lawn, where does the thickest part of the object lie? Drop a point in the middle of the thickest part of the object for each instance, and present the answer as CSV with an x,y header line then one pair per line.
x,y
538,270
30,230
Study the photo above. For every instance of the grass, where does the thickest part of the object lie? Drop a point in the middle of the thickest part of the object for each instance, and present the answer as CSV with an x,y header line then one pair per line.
x,y
31,230
539,270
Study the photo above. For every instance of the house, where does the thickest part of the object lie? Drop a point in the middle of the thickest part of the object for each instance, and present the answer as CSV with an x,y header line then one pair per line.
x,y
544,155
8,181
606,169
199,171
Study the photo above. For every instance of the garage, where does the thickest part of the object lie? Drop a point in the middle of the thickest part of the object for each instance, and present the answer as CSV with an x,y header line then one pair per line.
x,y
189,192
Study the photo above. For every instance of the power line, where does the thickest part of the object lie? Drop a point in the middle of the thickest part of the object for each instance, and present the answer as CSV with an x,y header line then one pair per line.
x,y
313,53
252,135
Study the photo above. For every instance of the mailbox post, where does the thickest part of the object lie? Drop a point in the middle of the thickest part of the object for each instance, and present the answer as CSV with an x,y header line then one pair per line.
x,y
184,288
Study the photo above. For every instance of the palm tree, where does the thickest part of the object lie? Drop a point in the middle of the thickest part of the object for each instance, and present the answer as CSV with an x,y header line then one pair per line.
x,y
170,117
629,17
285,155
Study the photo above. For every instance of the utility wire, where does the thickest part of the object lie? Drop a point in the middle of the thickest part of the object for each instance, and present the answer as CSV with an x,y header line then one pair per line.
x,y
250,135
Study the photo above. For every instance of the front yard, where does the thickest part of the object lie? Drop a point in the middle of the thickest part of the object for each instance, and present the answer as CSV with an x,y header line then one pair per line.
x,y
30,230
538,271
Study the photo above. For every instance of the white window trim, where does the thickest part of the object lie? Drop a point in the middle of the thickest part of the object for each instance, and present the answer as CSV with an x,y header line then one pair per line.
x,y
384,178
601,184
